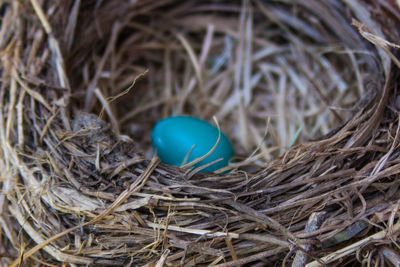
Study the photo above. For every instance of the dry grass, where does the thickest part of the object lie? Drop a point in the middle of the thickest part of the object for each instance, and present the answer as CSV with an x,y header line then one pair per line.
x,y
308,99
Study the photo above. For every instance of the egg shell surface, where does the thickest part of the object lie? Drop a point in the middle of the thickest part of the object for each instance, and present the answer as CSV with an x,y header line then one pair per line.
x,y
174,137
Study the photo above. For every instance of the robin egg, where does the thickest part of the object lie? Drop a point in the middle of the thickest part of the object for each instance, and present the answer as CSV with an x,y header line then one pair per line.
x,y
182,137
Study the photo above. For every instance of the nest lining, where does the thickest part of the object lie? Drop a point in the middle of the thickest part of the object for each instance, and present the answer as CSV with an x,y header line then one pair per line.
x,y
86,195
258,78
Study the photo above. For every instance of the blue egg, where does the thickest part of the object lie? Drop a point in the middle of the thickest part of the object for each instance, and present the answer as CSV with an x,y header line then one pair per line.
x,y
174,137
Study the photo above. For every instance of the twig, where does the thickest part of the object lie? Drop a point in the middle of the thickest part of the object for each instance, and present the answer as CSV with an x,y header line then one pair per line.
x,y
391,256
259,256
201,232
353,247
314,222
163,258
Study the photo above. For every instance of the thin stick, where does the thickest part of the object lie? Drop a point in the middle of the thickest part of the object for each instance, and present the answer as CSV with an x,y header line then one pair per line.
x,y
107,108
163,258
353,247
391,256
314,222
200,232
259,256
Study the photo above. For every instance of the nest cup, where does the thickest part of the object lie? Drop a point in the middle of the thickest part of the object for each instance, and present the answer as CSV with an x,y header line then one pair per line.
x,y
306,90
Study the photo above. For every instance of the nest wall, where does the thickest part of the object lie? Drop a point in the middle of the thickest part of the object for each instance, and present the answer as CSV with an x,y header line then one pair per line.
x,y
77,190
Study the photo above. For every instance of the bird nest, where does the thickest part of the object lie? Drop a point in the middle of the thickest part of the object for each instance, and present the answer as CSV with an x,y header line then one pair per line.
x,y
306,91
